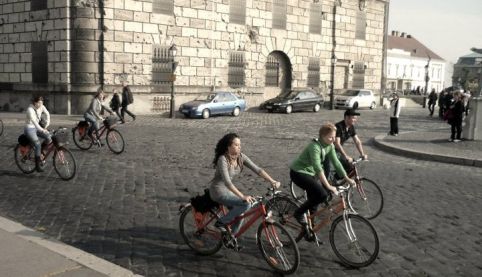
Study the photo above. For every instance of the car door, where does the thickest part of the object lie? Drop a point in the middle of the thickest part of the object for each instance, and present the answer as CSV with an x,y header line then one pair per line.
x,y
310,99
298,101
216,105
230,103
366,98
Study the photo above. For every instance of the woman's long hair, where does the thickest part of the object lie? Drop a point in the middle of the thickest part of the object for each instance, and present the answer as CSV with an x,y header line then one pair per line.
x,y
222,148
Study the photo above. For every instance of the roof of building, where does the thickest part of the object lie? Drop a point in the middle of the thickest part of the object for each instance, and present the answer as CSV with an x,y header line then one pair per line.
x,y
412,45
472,55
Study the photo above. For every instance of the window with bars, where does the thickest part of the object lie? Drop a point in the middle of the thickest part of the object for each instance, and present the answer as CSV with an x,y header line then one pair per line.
x,y
279,14
236,74
163,6
361,25
37,5
272,72
313,72
40,62
161,65
358,75
237,11
315,18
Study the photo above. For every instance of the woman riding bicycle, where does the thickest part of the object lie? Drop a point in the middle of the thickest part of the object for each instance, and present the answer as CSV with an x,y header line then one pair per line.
x,y
93,116
307,171
33,130
229,162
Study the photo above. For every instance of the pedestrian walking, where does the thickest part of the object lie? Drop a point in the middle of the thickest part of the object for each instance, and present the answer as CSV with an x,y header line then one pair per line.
x,y
127,99
457,114
115,104
432,100
394,114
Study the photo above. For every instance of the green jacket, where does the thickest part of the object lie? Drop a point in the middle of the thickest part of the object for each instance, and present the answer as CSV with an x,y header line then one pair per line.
x,y
310,161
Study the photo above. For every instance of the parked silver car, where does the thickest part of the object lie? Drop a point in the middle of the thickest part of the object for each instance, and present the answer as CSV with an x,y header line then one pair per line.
x,y
218,102
356,98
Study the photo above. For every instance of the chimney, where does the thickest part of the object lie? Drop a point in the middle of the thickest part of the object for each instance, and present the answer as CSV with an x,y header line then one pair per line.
x,y
403,34
409,36
396,33
393,33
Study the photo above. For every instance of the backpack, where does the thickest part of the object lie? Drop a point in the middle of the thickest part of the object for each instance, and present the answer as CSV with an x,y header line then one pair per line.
x,y
130,97
203,203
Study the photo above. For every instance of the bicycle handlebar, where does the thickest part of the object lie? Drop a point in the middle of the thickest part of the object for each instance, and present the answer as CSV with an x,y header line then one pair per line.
x,y
358,160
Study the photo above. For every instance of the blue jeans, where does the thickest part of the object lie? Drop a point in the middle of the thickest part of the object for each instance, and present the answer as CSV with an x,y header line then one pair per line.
x,y
237,206
33,135
94,125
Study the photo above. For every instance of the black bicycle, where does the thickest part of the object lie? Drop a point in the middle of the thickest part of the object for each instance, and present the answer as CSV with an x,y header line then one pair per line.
x,y
113,137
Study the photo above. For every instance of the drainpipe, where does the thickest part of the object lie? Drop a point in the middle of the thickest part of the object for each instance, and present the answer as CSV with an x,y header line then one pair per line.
x,y
68,65
333,56
383,85
101,43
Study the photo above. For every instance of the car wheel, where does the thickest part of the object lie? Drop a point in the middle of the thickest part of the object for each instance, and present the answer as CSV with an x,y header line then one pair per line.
x,y
373,105
206,113
355,105
236,111
289,109
270,111
316,108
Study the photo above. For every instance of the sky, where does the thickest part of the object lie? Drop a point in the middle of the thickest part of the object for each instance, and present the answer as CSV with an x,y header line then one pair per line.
x,y
448,27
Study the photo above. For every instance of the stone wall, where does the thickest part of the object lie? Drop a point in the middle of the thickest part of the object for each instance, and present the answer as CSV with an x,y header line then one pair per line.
x,y
112,40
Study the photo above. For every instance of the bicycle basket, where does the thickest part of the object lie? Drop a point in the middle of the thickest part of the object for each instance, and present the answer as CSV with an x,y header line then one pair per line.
x,y
60,137
110,121
83,123
23,140
203,203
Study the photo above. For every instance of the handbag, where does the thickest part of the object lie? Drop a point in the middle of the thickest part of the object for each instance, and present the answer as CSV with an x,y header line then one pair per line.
x,y
448,115
203,203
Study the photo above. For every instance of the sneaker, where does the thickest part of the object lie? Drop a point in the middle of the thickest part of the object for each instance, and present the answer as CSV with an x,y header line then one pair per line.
x,y
301,218
450,140
456,140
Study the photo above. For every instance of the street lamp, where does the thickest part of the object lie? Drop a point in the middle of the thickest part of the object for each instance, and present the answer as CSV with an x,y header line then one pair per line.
x,y
332,92
172,55
427,78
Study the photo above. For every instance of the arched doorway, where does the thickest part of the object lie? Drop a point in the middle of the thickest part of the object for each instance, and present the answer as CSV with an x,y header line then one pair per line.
x,y
278,76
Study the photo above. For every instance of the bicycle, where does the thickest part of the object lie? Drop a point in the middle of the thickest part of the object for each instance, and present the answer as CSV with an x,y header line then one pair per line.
x,y
63,160
365,199
277,246
353,238
113,137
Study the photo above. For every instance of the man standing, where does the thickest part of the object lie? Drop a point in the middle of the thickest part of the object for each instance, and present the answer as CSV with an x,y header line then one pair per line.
x,y
344,130
394,114
127,99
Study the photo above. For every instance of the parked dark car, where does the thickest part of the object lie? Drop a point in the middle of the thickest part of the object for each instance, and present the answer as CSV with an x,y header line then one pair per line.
x,y
219,102
294,100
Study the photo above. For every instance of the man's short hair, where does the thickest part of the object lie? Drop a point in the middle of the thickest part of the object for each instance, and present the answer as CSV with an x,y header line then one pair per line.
x,y
351,112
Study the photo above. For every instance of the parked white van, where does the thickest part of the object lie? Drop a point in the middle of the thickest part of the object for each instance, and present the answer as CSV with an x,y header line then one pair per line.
x,y
356,98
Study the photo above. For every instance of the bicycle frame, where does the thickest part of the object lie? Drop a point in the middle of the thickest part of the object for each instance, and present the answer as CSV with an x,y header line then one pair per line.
x,y
254,213
335,208
27,148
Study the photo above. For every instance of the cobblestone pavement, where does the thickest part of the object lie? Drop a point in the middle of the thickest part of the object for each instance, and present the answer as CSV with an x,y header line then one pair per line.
x,y
124,208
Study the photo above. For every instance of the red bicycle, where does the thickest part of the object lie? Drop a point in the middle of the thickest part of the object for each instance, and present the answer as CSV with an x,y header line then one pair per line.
x,y
277,246
113,137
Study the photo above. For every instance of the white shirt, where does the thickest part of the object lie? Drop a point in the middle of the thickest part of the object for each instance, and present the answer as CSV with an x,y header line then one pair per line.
x,y
34,115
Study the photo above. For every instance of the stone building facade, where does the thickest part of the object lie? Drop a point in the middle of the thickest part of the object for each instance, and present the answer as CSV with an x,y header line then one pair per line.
x,y
468,72
66,49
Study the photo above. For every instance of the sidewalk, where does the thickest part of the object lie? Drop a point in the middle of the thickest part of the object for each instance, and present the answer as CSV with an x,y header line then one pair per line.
x,y
433,146
26,252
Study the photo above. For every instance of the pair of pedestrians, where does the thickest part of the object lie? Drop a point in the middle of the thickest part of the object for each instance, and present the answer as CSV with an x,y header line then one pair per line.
x,y
127,98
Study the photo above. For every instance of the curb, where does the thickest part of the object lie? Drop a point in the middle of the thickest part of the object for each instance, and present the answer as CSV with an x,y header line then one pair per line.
x,y
74,254
379,142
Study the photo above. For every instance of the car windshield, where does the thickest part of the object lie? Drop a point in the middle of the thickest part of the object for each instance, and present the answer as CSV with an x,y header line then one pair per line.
x,y
351,92
206,97
289,94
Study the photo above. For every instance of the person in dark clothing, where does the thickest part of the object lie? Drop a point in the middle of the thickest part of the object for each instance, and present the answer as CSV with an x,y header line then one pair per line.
x,y
127,99
455,122
115,104
345,129
441,103
432,100
395,108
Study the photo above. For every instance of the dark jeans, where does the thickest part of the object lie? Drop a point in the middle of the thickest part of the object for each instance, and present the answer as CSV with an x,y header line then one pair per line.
x,y
431,108
393,125
327,166
125,110
456,127
314,190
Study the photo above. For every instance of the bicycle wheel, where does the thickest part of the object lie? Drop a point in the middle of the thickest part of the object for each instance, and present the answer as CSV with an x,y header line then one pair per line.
x,y
354,240
367,199
64,163
1,127
25,158
115,141
283,208
198,231
81,139
278,247
298,193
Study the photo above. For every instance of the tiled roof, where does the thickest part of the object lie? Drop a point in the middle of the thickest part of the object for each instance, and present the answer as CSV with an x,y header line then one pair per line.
x,y
410,44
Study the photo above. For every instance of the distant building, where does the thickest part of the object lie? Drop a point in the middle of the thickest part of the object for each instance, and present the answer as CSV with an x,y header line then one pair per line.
x,y
66,49
467,72
407,59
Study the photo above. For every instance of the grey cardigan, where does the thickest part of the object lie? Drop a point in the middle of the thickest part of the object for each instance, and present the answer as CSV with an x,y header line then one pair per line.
x,y
224,175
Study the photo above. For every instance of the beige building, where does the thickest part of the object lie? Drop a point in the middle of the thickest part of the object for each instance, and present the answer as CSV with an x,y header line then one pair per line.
x,y
66,49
